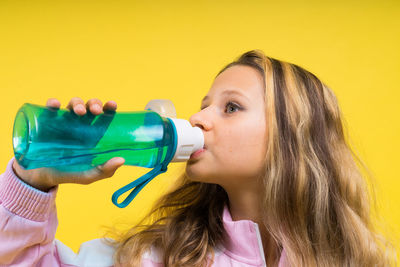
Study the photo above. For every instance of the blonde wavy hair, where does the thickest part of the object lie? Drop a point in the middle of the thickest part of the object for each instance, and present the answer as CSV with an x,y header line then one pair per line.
x,y
316,202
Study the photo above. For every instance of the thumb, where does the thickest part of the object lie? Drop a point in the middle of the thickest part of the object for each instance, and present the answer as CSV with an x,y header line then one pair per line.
x,y
108,168
105,170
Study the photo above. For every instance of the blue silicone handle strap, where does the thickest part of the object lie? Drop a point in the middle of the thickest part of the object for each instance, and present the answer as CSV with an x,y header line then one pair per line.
x,y
142,181
138,185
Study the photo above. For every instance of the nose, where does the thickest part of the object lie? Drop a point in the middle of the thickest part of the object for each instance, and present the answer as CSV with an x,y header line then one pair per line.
x,y
200,120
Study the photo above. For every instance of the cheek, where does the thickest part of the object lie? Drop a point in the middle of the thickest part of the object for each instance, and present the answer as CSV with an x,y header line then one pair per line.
x,y
237,155
243,148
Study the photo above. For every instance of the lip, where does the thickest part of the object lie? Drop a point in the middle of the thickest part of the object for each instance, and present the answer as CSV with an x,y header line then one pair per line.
x,y
197,153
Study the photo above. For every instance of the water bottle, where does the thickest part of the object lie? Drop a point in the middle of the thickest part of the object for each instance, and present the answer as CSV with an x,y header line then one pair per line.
x,y
60,139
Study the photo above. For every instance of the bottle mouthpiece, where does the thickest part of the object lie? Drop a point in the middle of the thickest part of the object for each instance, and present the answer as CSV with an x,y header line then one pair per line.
x,y
190,139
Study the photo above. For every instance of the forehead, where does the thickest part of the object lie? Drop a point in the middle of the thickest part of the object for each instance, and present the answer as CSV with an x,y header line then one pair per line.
x,y
239,80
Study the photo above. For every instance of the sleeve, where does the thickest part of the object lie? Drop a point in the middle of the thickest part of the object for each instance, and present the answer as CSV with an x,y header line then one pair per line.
x,y
28,223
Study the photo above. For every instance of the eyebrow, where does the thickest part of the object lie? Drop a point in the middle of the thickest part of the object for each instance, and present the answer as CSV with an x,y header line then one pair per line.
x,y
226,92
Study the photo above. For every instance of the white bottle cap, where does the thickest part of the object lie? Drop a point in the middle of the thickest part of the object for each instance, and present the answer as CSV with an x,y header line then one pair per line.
x,y
164,107
190,139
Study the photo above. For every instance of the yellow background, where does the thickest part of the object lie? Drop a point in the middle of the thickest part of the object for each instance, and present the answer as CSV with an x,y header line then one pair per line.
x,y
135,51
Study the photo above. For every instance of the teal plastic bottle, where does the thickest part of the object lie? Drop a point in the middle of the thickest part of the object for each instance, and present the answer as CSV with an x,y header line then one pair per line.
x,y
60,139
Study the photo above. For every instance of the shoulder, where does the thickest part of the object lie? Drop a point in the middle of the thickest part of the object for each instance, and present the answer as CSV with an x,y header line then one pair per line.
x,y
95,252
155,255
99,253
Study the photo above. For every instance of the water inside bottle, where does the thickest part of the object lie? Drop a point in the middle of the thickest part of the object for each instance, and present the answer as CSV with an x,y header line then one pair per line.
x,y
68,142
39,157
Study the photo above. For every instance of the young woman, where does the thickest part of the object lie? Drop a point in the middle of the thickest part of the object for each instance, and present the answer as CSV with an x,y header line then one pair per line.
x,y
277,185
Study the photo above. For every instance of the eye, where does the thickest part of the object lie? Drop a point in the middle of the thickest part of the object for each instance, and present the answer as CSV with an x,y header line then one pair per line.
x,y
228,104
231,105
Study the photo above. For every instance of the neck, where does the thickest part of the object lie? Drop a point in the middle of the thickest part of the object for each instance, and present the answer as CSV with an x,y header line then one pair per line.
x,y
246,205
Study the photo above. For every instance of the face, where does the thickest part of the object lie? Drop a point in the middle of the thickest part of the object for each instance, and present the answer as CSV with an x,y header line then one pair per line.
x,y
232,118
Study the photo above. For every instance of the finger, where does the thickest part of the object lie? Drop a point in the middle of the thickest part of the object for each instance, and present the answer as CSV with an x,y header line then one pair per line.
x,y
110,167
77,105
94,105
110,106
103,171
53,103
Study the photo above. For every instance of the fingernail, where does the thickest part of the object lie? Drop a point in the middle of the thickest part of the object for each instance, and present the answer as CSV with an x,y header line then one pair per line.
x,y
97,107
79,107
120,160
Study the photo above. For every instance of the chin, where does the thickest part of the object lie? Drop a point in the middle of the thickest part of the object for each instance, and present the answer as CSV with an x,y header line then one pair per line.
x,y
200,177
193,176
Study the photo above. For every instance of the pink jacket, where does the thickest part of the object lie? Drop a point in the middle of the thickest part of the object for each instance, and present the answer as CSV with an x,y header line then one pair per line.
x,y
28,223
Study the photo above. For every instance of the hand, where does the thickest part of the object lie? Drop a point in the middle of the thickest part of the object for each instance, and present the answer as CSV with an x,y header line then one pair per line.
x,y
46,178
